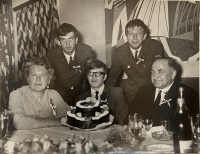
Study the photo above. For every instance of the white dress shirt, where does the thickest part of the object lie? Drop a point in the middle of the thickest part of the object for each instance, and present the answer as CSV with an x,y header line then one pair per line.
x,y
100,90
133,51
68,56
163,92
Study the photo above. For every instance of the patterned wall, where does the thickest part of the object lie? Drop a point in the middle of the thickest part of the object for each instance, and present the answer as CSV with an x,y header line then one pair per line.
x,y
174,23
6,52
34,30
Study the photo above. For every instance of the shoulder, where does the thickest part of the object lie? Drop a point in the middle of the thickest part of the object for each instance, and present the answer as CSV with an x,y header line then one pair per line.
x,y
52,92
121,48
83,95
146,88
54,51
151,42
23,91
83,47
115,89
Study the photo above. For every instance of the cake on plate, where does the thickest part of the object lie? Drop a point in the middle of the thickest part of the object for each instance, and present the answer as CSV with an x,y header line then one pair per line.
x,y
87,114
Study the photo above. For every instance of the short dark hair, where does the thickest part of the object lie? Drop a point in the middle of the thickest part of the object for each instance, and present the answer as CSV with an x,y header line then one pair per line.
x,y
138,23
171,62
41,61
93,64
64,29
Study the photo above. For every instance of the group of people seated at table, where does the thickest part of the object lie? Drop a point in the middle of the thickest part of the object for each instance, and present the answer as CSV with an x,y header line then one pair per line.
x,y
71,72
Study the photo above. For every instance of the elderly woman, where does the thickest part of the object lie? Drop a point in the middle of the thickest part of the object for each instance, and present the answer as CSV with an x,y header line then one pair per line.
x,y
34,105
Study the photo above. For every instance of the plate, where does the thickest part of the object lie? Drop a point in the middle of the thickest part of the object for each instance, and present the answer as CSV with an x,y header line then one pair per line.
x,y
163,137
160,147
100,126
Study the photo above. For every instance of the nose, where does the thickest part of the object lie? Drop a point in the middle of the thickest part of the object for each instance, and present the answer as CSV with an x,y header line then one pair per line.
x,y
134,36
38,77
67,42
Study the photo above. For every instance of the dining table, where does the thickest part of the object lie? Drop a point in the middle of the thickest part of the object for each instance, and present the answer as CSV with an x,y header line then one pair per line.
x,y
98,137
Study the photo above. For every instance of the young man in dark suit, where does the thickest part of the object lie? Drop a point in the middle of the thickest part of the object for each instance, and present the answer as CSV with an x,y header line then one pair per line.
x,y
69,59
159,99
134,58
96,75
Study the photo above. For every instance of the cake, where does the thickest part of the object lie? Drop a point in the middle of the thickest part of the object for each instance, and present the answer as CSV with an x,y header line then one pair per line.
x,y
87,114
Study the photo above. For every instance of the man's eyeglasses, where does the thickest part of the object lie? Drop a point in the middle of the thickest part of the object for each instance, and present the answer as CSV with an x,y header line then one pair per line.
x,y
96,74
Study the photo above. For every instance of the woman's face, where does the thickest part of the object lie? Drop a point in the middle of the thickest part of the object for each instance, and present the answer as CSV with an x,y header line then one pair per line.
x,y
38,78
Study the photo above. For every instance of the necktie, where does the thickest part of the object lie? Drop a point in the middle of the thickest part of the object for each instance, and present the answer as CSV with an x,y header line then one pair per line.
x,y
157,101
70,61
136,56
96,96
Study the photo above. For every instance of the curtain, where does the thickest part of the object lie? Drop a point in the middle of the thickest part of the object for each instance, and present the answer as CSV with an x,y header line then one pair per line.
x,y
34,30
6,52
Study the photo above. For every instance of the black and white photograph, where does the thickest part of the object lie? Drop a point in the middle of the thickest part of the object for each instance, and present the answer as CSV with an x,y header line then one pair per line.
x,y
99,76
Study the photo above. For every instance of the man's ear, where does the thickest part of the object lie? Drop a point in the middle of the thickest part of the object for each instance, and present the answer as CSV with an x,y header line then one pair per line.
x,y
145,36
174,72
57,41
105,77
76,40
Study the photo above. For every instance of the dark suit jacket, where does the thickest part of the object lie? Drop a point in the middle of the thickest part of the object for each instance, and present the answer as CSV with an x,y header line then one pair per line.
x,y
66,77
116,103
138,74
144,103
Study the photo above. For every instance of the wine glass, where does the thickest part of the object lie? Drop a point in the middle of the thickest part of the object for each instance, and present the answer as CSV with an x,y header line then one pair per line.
x,y
135,123
147,123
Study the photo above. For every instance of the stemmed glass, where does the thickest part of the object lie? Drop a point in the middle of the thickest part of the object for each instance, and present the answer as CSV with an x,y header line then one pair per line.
x,y
147,123
135,123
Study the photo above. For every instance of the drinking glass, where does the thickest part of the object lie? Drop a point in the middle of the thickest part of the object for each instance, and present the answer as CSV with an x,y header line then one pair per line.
x,y
5,117
166,125
197,128
125,133
135,123
147,123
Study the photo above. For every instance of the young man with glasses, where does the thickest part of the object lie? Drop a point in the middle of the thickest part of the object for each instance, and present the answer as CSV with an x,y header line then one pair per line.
x,y
69,59
96,75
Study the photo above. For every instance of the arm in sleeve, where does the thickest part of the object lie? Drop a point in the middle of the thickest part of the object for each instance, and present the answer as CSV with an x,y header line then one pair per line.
x,y
160,50
114,71
121,108
21,121
61,106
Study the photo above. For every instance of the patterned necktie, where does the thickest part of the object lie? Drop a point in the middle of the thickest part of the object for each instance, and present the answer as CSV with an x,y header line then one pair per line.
x,y
96,95
136,56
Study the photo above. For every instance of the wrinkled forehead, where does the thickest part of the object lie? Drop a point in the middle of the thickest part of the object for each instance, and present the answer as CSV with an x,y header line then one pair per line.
x,y
38,69
161,64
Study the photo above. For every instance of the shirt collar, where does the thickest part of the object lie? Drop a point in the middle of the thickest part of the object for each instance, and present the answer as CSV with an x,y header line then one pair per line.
x,y
133,50
166,89
100,90
68,56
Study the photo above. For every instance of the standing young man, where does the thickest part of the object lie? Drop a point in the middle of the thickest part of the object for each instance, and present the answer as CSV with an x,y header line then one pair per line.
x,y
134,58
69,59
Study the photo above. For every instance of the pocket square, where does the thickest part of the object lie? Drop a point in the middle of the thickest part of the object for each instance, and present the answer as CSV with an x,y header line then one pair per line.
x,y
128,66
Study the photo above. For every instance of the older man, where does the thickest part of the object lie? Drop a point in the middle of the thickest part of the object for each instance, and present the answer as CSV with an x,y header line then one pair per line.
x,y
96,75
158,100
